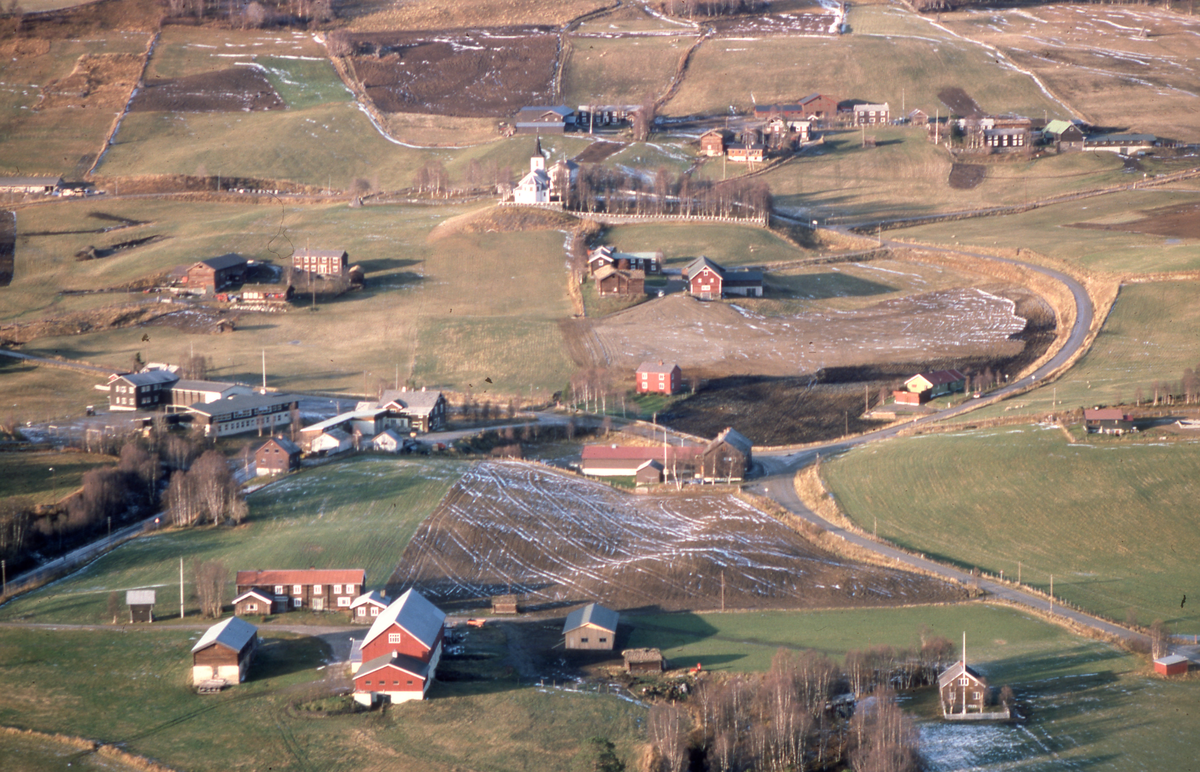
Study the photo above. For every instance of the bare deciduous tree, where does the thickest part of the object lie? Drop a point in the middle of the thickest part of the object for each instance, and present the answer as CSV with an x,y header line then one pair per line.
x,y
669,736
209,579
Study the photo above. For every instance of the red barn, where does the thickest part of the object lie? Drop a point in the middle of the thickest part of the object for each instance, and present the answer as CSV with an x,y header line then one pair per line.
x,y
705,279
1170,665
402,648
658,378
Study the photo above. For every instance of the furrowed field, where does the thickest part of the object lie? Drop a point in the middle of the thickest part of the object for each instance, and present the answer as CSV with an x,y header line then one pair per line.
x,y
133,688
355,514
1149,337
1112,521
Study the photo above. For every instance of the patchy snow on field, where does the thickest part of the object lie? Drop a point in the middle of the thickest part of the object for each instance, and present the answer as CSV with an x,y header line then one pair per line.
x,y
513,527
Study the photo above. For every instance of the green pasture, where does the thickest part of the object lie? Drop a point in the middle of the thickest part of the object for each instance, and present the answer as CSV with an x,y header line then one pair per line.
x,y
621,71
1048,230
46,477
448,312
45,394
906,175
1151,335
358,513
729,245
892,56
53,140
183,50
1113,521
132,688
851,286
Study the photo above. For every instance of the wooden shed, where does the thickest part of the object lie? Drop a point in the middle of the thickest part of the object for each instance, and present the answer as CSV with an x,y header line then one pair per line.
x,y
644,661
254,602
222,655
506,604
141,605
592,627
1172,664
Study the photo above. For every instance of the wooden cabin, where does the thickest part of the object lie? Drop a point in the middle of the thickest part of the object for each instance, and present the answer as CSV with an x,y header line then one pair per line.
x,y
222,655
506,604
592,627
644,661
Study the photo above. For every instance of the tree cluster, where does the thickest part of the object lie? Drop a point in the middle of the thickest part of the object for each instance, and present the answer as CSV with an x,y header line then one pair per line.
x,y
256,14
601,189
693,8
434,179
209,581
205,493
1163,392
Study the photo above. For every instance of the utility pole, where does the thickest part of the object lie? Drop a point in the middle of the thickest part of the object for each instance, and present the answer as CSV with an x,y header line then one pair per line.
x,y
3,578
1051,593
1018,572
264,369
181,588
722,590
109,530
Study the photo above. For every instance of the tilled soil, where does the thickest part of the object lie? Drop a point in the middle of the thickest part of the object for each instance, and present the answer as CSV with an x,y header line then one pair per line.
x,y
237,89
1181,222
967,176
960,102
491,72
559,540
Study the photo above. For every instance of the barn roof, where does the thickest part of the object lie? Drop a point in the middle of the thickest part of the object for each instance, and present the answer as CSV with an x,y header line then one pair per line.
x,y
301,576
238,402
1171,659
399,661
636,452
375,597
224,261
592,614
29,182
657,367
233,633
254,593
150,377
416,402
1104,414
699,264
213,386
286,445
942,377
139,597
1057,127
956,670
333,253
411,611
642,655
735,438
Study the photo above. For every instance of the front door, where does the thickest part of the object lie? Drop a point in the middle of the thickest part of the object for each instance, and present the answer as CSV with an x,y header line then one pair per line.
x,y
318,604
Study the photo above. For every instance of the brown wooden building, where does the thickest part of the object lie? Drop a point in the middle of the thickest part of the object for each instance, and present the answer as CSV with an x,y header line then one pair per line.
x,y
747,152
257,603
615,281
323,262
712,143
367,607
727,458
141,391
644,661
820,106
141,605
962,690
224,652
277,455
215,273
592,627
318,589
506,604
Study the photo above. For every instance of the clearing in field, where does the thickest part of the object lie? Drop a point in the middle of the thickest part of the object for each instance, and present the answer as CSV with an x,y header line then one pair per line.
x,y
604,69
1119,539
492,72
237,89
734,339
557,539
1123,69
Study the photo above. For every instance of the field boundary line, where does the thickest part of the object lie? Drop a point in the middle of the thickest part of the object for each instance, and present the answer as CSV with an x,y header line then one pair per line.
x,y
116,126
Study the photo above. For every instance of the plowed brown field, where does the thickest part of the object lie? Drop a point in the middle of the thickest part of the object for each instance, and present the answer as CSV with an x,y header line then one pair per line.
x,y
560,540
236,89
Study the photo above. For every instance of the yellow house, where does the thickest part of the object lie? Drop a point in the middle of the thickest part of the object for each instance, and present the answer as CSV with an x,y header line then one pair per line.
x,y
936,383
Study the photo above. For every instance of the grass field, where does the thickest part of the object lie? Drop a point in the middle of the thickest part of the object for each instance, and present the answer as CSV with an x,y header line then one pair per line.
x,y
132,688
1088,705
353,514
29,474
1149,336
44,394
183,50
680,243
1112,521
620,71
892,56
1046,230
374,15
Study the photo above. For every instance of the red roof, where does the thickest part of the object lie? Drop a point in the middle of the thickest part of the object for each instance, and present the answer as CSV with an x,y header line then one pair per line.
x,y
302,576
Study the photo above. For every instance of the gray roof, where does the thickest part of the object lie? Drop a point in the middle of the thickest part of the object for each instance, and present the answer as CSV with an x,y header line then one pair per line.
x,y
954,671
700,263
233,632
139,597
1171,659
592,614
1121,138
374,596
420,618
224,261
28,182
237,402
414,401
562,111
735,438
405,663
256,593
215,386
656,367
342,418
286,445
334,253
150,377
743,278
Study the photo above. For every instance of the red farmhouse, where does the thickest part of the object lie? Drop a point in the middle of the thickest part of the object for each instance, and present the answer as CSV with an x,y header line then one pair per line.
x,y
658,378
400,652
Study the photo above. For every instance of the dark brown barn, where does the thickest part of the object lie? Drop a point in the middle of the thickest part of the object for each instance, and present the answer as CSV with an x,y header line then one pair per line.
x,y
223,653
254,603
962,690
820,106
506,604
712,143
614,281
592,627
644,661
728,457
216,273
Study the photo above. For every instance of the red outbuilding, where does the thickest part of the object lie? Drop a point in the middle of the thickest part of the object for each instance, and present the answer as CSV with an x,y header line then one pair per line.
x,y
1172,664
658,378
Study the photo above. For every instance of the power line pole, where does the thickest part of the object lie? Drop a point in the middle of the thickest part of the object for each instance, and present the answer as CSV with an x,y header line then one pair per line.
x,y
181,588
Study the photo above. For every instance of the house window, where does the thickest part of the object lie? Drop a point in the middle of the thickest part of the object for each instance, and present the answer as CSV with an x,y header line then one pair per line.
x,y
296,602
317,589
976,695
252,607
297,589
343,601
410,682
337,589
367,682
583,640
393,637
963,681
396,682
362,611
603,640
350,589
279,589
